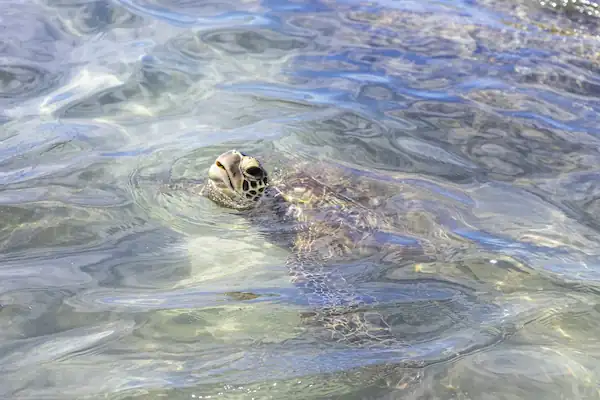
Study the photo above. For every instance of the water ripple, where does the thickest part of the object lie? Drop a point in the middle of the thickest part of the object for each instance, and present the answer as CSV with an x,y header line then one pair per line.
x,y
468,128
62,347
185,20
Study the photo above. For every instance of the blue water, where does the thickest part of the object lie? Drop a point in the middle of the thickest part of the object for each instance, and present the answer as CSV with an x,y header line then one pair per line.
x,y
475,121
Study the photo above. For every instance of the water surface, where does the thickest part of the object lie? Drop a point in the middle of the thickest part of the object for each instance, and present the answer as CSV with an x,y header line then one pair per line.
x,y
476,119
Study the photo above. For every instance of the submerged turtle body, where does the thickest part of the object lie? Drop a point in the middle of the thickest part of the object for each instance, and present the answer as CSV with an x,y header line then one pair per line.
x,y
325,218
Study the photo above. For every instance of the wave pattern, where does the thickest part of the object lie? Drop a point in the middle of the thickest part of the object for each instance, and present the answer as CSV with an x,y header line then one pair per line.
x,y
476,120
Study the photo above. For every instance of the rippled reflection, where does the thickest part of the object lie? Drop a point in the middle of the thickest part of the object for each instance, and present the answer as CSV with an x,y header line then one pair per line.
x,y
468,128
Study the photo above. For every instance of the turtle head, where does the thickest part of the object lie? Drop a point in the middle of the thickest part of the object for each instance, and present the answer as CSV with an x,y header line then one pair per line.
x,y
236,180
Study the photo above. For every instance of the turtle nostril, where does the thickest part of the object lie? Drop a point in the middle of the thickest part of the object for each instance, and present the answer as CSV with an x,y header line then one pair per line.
x,y
254,171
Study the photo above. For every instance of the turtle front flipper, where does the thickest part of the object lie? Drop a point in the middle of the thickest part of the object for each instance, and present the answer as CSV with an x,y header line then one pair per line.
x,y
349,316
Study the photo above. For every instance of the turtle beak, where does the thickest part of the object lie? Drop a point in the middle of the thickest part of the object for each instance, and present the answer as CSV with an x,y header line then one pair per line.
x,y
225,172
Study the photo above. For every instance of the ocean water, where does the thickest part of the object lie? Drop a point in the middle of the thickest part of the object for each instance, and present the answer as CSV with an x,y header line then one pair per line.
x,y
477,121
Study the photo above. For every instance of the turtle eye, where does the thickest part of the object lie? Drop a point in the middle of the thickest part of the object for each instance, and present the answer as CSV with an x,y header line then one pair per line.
x,y
218,163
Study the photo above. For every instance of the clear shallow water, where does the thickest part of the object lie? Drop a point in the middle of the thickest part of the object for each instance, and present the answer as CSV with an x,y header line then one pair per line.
x,y
478,120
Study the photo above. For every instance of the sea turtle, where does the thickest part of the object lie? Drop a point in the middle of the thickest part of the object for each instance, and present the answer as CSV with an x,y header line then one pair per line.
x,y
325,217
